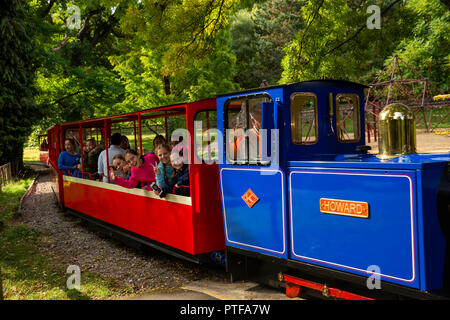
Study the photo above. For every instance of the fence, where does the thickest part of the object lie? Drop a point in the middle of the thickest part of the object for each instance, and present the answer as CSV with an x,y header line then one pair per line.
x,y
416,92
5,174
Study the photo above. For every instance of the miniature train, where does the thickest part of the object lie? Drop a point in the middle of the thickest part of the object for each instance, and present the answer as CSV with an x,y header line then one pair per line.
x,y
282,182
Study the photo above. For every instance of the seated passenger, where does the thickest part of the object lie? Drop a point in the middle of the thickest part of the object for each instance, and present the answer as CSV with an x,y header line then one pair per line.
x,y
180,180
125,143
43,146
69,159
90,156
141,170
120,166
164,170
112,151
158,140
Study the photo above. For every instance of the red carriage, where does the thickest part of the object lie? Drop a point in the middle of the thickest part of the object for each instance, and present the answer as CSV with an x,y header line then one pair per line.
x,y
188,227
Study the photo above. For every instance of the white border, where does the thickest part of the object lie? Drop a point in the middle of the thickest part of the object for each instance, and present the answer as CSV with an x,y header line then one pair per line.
x,y
348,267
282,216
139,192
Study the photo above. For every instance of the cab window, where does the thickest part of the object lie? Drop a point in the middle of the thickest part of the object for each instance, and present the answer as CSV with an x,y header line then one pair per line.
x,y
347,118
243,119
304,128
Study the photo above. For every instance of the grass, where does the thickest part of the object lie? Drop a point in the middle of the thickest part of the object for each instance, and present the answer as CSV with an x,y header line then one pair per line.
x,y
31,154
27,273
147,142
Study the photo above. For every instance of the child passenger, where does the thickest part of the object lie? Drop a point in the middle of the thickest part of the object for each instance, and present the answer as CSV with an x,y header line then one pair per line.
x,y
163,170
180,180
121,167
141,170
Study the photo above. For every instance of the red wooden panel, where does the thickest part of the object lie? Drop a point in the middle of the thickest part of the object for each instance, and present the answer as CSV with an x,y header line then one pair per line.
x,y
160,220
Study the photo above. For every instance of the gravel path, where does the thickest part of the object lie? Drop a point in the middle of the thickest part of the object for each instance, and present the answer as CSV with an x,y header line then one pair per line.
x,y
70,242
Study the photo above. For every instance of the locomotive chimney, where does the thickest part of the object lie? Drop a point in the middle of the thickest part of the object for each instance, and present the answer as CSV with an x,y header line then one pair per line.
x,y
396,131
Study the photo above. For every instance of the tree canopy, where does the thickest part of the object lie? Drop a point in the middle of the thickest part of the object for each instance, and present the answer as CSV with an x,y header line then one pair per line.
x,y
18,64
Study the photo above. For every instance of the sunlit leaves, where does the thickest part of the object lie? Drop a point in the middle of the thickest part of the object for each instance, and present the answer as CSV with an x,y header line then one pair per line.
x,y
183,29
336,42
427,48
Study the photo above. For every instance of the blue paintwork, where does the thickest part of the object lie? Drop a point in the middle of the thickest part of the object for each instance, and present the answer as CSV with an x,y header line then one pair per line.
x,y
431,239
411,161
402,234
352,244
261,228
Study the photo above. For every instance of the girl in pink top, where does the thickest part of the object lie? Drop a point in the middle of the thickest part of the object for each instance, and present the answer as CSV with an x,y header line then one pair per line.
x,y
141,170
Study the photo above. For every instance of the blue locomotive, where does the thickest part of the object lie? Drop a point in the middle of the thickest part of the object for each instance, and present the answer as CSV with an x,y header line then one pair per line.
x,y
306,206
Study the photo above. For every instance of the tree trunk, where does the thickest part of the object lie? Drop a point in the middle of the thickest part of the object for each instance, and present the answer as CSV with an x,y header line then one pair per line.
x,y
166,85
16,160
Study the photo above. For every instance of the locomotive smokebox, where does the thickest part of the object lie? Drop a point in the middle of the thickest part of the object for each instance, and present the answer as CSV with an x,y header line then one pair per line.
x,y
396,131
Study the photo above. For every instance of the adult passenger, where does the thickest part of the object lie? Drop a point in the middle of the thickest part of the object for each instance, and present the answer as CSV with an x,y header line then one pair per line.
x,y
125,143
141,170
113,150
91,153
69,159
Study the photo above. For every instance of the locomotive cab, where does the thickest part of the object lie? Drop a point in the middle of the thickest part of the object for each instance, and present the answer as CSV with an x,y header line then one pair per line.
x,y
326,118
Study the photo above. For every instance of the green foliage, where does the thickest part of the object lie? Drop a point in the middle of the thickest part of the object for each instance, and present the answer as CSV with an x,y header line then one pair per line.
x,y
180,30
427,48
75,77
28,273
18,64
336,42
259,36
208,77
131,55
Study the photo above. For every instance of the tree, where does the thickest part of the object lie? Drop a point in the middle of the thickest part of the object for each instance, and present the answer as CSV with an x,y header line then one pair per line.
x,y
177,32
336,42
205,78
124,55
259,36
18,59
75,77
427,47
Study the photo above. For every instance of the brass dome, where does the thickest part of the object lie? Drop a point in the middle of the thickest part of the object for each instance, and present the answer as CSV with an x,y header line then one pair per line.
x,y
396,131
